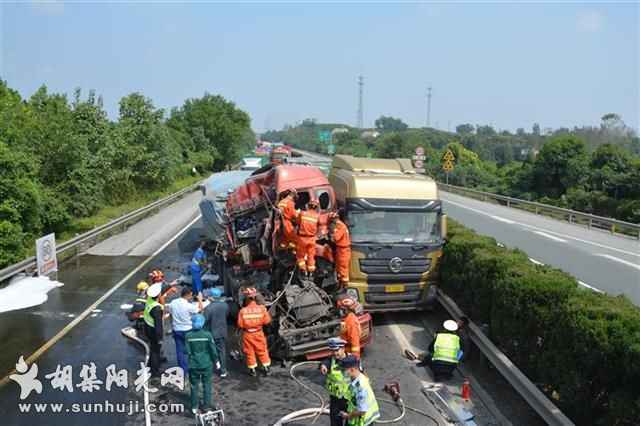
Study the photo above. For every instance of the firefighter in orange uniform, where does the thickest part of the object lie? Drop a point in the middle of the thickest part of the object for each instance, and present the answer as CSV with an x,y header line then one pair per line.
x,y
339,235
287,208
306,241
251,319
350,326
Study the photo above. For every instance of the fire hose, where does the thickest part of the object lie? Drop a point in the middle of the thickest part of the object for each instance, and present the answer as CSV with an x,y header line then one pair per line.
x,y
314,412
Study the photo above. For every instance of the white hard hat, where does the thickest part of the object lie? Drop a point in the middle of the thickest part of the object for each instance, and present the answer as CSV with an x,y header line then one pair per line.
x,y
450,325
154,290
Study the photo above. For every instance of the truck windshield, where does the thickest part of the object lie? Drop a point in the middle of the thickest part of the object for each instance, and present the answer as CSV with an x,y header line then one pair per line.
x,y
394,227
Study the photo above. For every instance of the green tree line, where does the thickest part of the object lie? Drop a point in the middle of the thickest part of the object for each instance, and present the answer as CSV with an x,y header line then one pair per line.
x,y
61,160
594,169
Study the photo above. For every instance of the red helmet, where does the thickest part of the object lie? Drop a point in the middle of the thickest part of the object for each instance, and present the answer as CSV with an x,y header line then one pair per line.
x,y
250,292
347,303
156,276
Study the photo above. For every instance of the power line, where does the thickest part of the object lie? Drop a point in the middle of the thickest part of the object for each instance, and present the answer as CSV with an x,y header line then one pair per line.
x,y
429,106
360,118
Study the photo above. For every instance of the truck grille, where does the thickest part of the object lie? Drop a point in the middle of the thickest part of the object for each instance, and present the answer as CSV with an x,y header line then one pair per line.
x,y
405,269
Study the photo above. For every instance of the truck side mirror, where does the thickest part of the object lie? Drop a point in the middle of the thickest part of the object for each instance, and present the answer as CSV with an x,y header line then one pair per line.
x,y
443,226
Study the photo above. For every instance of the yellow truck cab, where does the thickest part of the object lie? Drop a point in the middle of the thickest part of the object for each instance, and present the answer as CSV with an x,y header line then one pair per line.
x,y
397,231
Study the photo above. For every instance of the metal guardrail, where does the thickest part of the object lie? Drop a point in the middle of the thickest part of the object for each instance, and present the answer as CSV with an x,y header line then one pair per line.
x,y
90,238
527,389
572,216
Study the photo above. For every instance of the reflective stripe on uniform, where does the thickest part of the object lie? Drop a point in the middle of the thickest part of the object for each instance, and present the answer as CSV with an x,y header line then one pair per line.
x,y
446,348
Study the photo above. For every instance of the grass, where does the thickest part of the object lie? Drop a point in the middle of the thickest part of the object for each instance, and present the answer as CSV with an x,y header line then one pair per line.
x,y
109,213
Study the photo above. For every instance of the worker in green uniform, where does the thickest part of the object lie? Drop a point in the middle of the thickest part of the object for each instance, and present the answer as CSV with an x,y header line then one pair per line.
x,y
203,355
336,380
362,407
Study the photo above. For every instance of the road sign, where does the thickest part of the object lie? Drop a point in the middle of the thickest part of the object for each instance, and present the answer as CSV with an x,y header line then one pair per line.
x,y
448,156
447,165
418,164
419,151
46,254
325,136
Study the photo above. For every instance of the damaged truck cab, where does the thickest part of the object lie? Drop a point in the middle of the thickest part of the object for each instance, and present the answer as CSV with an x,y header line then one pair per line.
x,y
397,231
247,247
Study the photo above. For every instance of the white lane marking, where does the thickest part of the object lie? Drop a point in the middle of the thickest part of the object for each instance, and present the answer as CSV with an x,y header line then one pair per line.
x,y
537,262
502,219
49,343
590,287
551,232
399,335
551,237
617,259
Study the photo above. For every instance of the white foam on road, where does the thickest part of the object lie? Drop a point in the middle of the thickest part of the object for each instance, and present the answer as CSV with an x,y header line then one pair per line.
x,y
25,292
549,236
617,259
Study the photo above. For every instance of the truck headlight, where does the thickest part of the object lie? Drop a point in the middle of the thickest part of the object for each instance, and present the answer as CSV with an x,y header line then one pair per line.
x,y
353,293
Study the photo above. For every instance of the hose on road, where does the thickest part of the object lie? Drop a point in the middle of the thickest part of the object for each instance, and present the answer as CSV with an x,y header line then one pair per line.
x,y
315,412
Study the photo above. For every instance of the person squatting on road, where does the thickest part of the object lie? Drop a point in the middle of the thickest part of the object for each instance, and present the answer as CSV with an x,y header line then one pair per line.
x,y
362,406
350,326
202,357
287,208
181,311
336,380
445,352
341,243
306,241
215,315
152,316
251,319
198,261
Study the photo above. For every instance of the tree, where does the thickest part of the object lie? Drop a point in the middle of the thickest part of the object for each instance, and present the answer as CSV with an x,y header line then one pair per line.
x,y
561,164
390,124
465,129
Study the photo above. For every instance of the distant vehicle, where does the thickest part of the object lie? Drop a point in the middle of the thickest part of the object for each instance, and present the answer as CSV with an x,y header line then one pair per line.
x,y
280,155
252,163
397,231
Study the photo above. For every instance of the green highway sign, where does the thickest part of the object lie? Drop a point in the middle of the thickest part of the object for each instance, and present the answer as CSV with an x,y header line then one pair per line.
x,y
325,136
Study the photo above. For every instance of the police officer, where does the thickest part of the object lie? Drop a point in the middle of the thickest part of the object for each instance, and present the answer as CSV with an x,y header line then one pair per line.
x,y
336,380
362,407
152,316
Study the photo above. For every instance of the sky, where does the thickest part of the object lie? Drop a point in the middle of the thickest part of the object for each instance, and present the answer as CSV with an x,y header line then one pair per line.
x,y
508,64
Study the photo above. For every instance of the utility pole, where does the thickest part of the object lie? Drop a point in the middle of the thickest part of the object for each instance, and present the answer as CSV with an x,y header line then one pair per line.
x,y
360,119
429,106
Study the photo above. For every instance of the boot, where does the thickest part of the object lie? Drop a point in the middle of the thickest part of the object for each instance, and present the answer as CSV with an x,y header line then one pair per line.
x,y
252,372
267,370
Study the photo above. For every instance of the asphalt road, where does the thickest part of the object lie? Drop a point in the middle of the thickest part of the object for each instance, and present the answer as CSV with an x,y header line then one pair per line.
x,y
599,260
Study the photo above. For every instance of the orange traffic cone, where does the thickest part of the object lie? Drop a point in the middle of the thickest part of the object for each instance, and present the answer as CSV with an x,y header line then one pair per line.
x,y
466,390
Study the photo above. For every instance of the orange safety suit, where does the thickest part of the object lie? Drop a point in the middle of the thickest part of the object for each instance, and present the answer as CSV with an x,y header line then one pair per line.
x,y
340,237
350,333
306,241
287,208
251,319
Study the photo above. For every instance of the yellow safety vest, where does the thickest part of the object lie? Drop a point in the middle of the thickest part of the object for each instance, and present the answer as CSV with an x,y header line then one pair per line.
x,y
146,315
336,382
446,348
373,411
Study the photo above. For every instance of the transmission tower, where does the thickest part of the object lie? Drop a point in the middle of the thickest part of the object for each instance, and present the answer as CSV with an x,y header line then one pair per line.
x,y
429,107
360,119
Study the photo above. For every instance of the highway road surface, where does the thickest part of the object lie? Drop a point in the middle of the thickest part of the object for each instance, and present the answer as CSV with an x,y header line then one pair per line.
x,y
599,260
